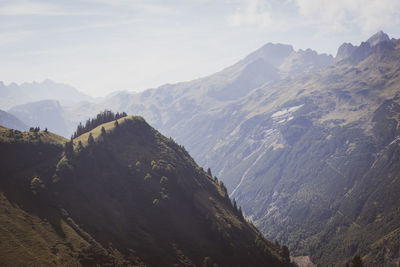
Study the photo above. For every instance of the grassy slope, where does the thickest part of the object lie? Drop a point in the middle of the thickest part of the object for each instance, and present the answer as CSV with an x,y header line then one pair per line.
x,y
28,235
96,132
187,183
28,239
98,208
35,230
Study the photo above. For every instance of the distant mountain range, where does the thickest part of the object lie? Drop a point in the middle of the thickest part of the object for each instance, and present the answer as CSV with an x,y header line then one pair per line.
x,y
41,104
10,121
270,63
14,94
44,113
306,143
179,104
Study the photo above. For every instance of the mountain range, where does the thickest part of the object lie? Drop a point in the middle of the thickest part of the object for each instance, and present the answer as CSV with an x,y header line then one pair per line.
x,y
10,121
17,94
306,143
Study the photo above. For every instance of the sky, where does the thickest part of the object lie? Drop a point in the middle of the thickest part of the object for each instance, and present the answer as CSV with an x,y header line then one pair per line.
x,y
101,46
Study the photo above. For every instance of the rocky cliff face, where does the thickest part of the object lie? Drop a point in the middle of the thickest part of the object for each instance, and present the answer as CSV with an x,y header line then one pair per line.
x,y
359,53
377,38
302,157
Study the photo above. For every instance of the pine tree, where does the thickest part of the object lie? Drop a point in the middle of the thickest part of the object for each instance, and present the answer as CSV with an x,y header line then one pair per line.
x,y
240,212
80,146
102,117
69,149
90,139
103,131
235,205
209,172
223,188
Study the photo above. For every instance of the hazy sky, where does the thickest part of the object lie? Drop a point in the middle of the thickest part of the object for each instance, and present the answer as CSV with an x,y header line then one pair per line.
x,y
100,46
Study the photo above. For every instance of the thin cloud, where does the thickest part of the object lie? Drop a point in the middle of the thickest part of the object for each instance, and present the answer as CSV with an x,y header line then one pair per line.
x,y
253,13
323,16
146,6
12,37
18,8
346,16
25,8
271,15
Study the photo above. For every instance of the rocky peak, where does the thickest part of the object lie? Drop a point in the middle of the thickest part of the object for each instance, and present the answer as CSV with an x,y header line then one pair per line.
x,y
361,52
358,53
344,51
274,54
378,38
305,60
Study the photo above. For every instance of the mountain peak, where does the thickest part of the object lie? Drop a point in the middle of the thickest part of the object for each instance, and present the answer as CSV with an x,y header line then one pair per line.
x,y
344,51
378,38
273,53
358,53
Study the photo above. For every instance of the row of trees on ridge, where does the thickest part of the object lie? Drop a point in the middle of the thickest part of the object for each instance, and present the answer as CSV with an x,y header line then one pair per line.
x,y
102,117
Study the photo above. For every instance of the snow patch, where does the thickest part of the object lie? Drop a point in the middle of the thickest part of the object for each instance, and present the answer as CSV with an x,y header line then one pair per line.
x,y
286,111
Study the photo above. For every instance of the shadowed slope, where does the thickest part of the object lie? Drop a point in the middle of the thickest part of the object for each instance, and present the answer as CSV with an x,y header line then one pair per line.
x,y
130,197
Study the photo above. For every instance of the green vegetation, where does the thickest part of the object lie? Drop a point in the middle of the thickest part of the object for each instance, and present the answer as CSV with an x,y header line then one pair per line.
x,y
96,132
70,195
69,149
356,262
156,202
163,180
90,140
35,129
37,185
147,176
103,117
209,172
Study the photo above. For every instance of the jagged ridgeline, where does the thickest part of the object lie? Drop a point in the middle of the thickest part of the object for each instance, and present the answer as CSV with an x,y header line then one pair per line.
x,y
120,194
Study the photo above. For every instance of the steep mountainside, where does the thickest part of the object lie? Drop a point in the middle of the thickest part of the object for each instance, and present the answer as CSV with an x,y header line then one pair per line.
x,y
45,114
311,156
14,94
10,121
127,197
313,159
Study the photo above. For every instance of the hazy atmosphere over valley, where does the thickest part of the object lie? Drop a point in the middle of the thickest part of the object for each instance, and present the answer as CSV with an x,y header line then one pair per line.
x,y
200,133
